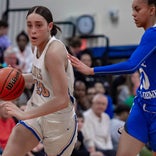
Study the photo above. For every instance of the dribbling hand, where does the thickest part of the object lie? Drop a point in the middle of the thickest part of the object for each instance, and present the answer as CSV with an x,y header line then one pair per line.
x,y
13,110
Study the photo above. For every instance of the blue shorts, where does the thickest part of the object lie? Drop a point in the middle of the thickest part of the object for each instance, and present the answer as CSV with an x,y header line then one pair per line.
x,y
141,124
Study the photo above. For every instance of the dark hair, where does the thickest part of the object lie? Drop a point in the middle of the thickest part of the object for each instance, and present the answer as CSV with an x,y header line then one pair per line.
x,y
79,114
75,42
3,24
84,52
151,2
121,108
44,12
22,33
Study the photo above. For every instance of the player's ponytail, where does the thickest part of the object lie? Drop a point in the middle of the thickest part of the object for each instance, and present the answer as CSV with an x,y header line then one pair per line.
x,y
55,29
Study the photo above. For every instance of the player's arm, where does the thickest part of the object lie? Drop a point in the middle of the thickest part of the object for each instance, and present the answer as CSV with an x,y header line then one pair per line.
x,y
144,50
132,64
55,61
126,67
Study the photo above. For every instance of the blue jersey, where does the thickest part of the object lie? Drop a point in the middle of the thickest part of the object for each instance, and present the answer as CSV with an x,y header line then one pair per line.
x,y
142,59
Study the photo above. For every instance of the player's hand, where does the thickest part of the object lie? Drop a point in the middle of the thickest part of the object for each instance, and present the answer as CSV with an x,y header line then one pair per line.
x,y
80,66
13,110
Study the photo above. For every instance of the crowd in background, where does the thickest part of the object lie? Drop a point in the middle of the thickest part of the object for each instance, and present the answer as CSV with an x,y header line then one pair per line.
x,y
102,102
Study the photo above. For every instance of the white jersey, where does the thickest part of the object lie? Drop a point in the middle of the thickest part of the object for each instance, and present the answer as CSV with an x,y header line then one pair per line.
x,y
43,91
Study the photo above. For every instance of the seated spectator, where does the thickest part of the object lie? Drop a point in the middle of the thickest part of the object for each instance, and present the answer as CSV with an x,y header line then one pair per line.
x,y
24,52
90,94
80,95
74,45
117,123
134,84
10,58
99,88
86,57
6,125
80,149
120,89
4,40
96,130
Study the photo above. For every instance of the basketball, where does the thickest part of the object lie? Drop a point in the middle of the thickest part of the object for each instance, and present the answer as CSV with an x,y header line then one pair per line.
x,y
12,83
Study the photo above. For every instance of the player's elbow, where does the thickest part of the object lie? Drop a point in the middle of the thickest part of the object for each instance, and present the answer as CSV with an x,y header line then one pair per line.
x,y
132,67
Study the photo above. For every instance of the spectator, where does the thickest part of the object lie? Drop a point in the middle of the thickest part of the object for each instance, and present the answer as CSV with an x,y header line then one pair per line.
x,y
117,123
24,52
4,40
86,57
96,128
80,149
90,94
6,125
99,88
134,84
74,45
120,89
80,95
25,56
10,58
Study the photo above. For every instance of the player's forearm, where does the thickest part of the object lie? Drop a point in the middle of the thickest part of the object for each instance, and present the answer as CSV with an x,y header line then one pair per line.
x,y
126,67
56,104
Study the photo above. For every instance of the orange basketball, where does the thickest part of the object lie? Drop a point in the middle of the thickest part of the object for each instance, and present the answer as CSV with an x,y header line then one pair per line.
x,y
12,83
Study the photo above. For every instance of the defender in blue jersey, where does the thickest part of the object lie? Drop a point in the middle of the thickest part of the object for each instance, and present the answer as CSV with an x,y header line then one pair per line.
x,y
140,127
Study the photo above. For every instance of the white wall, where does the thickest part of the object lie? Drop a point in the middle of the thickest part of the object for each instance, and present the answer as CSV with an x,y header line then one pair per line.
x,y
122,33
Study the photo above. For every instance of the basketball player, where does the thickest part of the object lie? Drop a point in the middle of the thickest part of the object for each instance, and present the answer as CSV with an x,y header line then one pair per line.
x,y
140,127
49,116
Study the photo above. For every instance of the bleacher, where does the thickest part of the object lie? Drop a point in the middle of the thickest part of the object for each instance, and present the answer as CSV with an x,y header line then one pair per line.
x,y
114,52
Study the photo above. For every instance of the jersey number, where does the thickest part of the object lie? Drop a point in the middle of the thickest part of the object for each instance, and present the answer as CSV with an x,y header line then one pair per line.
x,y
41,90
146,83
